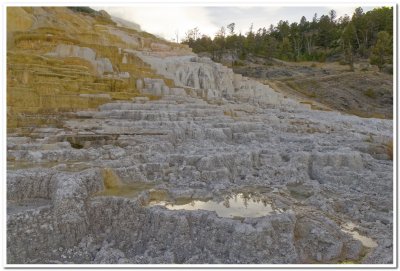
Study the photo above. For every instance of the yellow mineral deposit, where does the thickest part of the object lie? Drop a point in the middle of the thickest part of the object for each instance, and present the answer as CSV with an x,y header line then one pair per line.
x,y
42,82
115,187
110,179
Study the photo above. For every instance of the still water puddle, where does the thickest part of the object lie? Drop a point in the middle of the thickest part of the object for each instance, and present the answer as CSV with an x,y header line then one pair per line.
x,y
237,205
366,241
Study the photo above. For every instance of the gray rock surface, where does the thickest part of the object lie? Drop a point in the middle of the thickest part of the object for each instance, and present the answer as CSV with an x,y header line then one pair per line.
x,y
101,65
214,135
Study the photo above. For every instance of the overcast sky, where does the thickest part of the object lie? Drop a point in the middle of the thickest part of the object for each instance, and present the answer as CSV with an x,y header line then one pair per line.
x,y
165,21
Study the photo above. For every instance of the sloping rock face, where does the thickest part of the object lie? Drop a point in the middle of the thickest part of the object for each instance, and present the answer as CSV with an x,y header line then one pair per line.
x,y
101,65
59,60
147,180
211,80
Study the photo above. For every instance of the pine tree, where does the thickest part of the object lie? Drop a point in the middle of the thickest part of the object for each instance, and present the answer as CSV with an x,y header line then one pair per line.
x,y
347,43
382,51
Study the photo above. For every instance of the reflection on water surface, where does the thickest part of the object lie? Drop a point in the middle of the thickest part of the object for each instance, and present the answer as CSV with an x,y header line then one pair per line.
x,y
237,205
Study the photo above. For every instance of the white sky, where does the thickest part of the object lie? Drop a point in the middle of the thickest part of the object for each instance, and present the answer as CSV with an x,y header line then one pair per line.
x,y
165,21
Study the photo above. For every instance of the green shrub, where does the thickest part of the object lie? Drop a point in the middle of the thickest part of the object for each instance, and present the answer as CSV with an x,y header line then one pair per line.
x,y
313,95
238,63
370,93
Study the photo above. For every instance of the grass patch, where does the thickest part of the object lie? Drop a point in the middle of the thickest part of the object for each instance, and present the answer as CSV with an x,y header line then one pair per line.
x,y
293,85
305,87
370,93
238,63
313,95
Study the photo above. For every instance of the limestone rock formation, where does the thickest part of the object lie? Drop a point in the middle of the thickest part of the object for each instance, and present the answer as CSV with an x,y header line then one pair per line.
x,y
125,23
105,161
100,65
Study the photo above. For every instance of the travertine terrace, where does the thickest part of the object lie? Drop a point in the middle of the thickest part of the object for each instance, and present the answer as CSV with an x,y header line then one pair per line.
x,y
114,133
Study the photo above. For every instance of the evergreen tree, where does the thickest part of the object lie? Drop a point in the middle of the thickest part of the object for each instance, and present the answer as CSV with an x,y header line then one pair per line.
x,y
317,39
347,43
382,51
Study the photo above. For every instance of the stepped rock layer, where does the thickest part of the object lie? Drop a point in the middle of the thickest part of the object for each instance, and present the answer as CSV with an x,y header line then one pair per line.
x,y
96,185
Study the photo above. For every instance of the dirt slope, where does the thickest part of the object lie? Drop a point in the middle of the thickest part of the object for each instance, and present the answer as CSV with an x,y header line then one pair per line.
x,y
364,92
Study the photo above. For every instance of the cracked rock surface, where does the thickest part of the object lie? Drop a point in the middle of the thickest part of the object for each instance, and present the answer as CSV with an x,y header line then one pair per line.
x,y
149,181
314,165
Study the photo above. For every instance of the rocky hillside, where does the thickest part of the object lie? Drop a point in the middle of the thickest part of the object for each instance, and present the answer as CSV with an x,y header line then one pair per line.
x,y
364,92
61,60
124,148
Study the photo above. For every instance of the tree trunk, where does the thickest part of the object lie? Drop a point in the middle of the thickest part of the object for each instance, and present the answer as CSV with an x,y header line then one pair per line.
x,y
358,40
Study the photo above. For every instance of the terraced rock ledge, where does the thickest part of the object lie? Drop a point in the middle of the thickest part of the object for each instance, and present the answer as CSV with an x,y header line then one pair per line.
x,y
186,163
